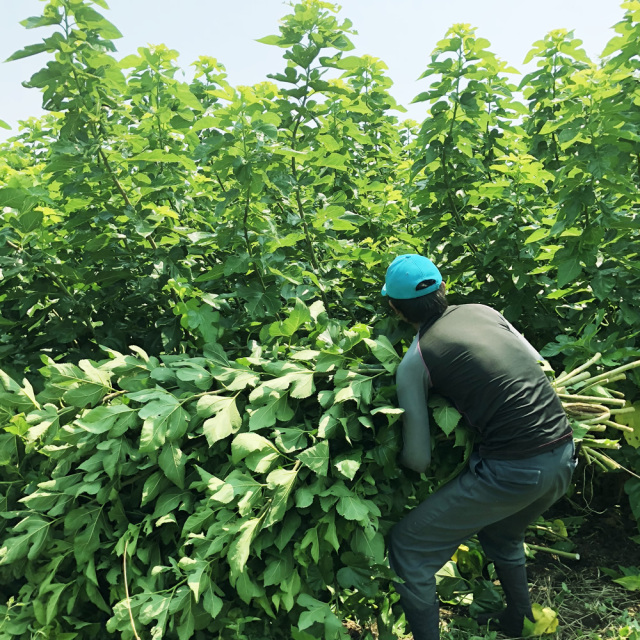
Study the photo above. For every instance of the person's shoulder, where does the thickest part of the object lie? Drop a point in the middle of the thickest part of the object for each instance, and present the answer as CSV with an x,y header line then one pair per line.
x,y
478,307
472,307
479,313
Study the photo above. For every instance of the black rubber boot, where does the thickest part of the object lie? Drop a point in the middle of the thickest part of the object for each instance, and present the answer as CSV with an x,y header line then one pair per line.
x,y
424,623
510,620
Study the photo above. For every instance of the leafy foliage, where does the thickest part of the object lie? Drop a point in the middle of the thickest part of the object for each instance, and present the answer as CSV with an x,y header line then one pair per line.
x,y
218,484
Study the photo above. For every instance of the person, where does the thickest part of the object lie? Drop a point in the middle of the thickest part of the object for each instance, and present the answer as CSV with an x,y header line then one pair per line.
x,y
521,464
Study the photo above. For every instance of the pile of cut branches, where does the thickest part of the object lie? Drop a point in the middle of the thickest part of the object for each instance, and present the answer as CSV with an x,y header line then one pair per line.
x,y
593,407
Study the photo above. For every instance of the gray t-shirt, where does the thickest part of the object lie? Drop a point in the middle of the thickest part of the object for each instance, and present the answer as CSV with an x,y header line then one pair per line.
x,y
475,358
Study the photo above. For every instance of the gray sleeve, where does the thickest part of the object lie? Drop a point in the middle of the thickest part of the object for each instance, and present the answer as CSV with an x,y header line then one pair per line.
x,y
412,379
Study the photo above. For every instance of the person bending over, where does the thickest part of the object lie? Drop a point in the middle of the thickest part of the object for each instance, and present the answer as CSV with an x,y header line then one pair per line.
x,y
523,459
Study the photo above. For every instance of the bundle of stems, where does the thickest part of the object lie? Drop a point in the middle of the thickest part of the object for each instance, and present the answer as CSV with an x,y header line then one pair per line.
x,y
592,407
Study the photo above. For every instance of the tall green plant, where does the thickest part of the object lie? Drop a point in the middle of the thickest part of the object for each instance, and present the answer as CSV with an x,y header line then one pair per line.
x,y
476,189
580,130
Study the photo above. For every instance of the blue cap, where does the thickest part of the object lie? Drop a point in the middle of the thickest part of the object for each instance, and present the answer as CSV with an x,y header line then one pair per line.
x,y
404,275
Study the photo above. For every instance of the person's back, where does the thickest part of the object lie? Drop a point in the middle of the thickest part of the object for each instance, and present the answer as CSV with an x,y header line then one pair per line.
x,y
476,360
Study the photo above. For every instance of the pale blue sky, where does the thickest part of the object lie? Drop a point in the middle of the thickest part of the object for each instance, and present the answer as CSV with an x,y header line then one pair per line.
x,y
401,32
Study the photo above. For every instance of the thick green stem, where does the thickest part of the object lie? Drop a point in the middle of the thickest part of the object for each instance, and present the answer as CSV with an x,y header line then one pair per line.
x,y
562,380
595,399
300,207
555,552
98,138
120,188
613,372
245,221
620,427
445,173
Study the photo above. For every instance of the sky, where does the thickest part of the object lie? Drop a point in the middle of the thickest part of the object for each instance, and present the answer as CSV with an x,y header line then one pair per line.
x,y
402,33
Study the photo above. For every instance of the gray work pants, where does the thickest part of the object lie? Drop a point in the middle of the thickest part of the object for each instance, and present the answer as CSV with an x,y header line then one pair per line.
x,y
495,499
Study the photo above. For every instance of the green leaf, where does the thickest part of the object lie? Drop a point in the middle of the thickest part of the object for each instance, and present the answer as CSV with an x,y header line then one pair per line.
x,y
333,161
212,603
90,19
537,235
278,569
316,457
197,578
240,547
321,612
281,482
329,142
384,352
303,385
350,63
359,388
55,17
244,486
568,271
86,394
298,316
168,501
8,449
312,540
157,155
186,626
234,378
19,199
248,590
30,220
275,408
445,414
632,583
290,439
28,544
156,608
353,508
153,486
258,452
267,129
20,398
348,464
164,419
172,461
29,50
227,420
274,40
358,578
87,523
102,419
370,543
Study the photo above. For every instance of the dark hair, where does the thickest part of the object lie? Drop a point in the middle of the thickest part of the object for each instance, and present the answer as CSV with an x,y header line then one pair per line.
x,y
425,308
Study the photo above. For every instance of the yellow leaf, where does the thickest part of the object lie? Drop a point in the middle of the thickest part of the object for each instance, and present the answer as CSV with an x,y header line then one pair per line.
x,y
631,420
545,621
